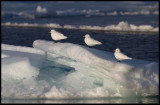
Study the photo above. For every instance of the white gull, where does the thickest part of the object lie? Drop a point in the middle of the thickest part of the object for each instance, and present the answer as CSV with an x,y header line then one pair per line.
x,y
57,35
90,41
120,56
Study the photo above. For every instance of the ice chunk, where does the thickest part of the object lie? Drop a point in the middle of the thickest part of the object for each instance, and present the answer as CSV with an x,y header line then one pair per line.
x,y
97,92
17,68
4,55
58,93
19,72
70,71
21,49
25,89
35,56
39,9
138,75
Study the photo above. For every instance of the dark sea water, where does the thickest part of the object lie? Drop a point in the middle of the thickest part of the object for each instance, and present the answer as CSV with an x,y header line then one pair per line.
x,y
138,45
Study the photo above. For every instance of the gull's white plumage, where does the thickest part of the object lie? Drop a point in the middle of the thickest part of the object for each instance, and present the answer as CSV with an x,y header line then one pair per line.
x,y
56,35
90,41
120,56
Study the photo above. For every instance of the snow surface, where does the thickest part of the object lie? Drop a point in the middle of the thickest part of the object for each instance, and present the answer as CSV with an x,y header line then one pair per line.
x,y
66,70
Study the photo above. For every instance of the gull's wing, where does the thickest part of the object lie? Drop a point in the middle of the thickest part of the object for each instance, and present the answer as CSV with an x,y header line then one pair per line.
x,y
60,35
95,41
123,56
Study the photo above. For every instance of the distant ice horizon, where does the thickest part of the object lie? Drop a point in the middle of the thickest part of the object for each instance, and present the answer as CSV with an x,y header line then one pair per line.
x,y
121,26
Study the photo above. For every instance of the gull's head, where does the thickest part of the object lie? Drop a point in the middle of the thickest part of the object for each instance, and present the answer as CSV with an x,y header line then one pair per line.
x,y
117,50
52,31
87,36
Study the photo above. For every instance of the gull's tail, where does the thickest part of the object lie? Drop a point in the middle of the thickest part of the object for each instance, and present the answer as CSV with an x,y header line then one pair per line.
x,y
99,43
64,37
128,58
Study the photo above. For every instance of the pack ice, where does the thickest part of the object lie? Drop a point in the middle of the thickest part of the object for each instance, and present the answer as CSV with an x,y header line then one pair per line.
x,y
67,70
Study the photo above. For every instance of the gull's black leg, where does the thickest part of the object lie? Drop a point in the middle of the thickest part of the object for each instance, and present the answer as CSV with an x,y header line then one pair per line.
x,y
119,61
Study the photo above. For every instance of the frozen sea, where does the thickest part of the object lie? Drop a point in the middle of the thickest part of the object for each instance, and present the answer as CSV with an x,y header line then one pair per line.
x,y
131,26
